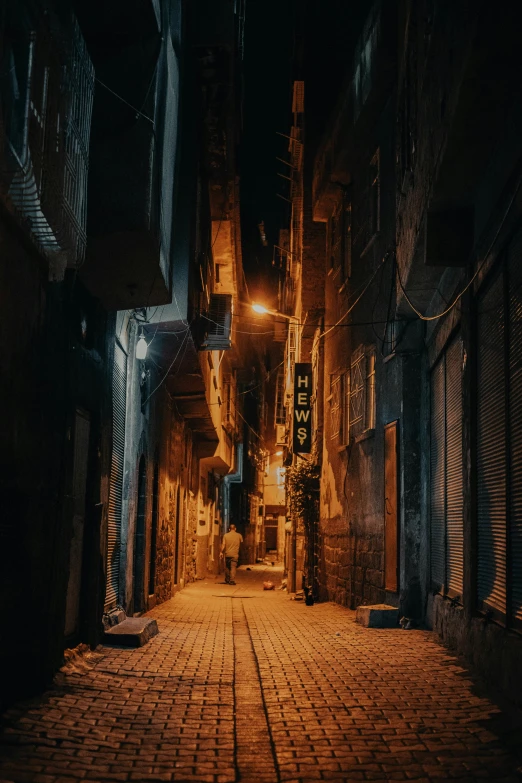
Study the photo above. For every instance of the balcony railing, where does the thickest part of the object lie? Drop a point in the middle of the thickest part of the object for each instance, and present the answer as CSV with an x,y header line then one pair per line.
x,y
46,94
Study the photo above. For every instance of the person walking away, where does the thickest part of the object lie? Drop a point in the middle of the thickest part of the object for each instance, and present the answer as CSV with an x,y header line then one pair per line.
x,y
230,550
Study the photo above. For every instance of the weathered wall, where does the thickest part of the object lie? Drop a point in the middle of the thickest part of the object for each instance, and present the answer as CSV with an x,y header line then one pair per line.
x,y
352,478
492,652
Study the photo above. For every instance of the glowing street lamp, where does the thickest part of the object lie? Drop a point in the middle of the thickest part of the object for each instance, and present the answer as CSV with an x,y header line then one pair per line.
x,y
262,310
141,347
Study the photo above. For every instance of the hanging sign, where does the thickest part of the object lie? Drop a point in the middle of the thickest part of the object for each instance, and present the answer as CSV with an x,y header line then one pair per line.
x,y
302,418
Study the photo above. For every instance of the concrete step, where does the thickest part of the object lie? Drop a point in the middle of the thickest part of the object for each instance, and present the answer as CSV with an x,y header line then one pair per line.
x,y
132,632
378,616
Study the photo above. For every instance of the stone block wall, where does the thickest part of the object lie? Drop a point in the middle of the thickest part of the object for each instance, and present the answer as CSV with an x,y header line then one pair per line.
x,y
351,570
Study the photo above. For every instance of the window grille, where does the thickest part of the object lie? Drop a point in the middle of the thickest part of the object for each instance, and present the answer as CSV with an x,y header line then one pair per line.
x,y
335,400
218,323
370,391
44,150
357,387
345,435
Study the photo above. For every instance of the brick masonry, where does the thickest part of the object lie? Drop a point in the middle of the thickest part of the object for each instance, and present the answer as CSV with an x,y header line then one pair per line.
x,y
248,685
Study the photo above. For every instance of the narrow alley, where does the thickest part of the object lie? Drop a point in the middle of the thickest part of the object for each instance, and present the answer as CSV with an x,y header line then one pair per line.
x,y
247,685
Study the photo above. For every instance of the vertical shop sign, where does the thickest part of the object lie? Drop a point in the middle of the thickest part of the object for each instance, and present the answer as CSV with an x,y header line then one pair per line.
x,y
302,418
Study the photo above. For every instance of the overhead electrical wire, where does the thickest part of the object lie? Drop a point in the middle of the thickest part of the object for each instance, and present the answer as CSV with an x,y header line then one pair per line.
x,y
366,286
473,277
184,343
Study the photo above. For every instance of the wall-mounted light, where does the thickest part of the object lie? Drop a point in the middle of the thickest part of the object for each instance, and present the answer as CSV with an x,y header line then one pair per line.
x,y
141,347
262,310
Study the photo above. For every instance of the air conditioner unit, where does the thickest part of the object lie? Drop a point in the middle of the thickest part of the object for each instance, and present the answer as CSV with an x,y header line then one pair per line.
x,y
218,323
280,434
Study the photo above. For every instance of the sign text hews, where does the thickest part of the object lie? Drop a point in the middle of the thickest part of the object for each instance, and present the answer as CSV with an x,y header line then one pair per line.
x,y
302,430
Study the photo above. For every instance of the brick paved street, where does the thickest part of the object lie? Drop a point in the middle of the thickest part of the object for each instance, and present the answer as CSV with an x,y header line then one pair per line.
x,y
255,687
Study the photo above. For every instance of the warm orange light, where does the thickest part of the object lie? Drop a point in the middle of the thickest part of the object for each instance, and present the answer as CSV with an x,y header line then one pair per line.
x,y
259,309
279,453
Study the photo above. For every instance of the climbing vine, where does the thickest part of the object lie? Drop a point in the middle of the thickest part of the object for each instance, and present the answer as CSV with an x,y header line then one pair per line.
x,y
302,491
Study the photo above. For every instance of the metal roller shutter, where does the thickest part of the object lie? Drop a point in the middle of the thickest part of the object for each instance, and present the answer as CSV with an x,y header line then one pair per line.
x,y
454,521
437,469
515,428
491,451
119,386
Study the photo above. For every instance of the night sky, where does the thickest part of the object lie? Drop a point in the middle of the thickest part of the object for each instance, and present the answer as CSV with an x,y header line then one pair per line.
x,y
286,40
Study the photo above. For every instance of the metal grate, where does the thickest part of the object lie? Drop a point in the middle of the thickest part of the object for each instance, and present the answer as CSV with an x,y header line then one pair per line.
x,y
46,97
119,394
491,451
515,428
219,323
437,478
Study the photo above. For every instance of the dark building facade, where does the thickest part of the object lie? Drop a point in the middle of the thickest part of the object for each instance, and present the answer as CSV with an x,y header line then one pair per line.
x,y
416,183
121,269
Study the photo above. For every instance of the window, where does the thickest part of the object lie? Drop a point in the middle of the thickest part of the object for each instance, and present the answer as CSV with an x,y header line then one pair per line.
x,y
357,376
339,246
362,391
366,221
335,400
339,401
346,408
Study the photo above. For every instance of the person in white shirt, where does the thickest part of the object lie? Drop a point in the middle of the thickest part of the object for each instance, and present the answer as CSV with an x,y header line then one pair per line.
x,y
230,551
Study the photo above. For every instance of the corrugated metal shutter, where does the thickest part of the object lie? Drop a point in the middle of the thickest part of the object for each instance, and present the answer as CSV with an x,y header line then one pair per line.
x,y
515,426
437,469
454,521
119,386
491,451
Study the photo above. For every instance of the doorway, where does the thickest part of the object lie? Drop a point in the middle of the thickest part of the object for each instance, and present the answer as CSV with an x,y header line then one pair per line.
x,y
391,507
139,541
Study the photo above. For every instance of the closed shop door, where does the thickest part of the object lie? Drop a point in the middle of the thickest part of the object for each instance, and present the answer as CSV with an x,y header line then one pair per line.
x,y
454,486
446,506
437,481
119,392
515,430
491,450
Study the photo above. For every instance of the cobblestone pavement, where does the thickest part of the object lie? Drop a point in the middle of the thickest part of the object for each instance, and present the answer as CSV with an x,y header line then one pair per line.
x,y
246,685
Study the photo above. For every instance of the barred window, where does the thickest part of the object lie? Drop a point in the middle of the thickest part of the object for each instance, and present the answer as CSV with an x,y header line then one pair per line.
x,y
335,405
362,390
339,401
345,437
